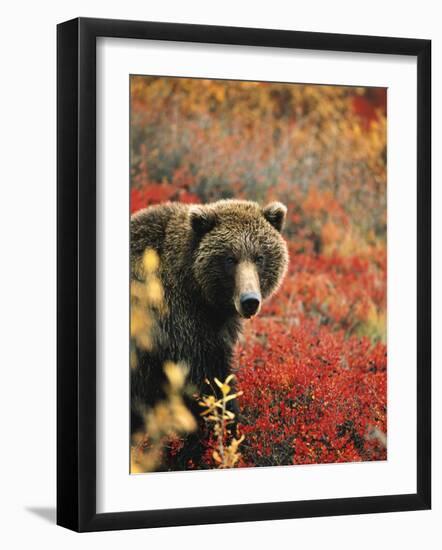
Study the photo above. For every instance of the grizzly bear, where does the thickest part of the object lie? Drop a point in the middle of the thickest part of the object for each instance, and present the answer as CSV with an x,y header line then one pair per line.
x,y
218,262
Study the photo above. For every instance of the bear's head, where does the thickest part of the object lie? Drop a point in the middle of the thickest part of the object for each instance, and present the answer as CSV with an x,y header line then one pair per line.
x,y
240,257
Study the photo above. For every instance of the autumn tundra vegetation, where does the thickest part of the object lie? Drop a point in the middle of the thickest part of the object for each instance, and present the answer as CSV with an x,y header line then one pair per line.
x,y
310,371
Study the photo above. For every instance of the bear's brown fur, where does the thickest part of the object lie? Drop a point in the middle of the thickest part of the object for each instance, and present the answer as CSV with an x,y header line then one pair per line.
x,y
217,262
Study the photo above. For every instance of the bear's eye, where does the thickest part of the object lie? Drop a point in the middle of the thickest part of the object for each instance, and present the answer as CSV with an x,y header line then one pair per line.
x,y
230,260
259,259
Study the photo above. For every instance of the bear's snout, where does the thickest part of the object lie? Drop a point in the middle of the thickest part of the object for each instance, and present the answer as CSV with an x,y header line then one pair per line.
x,y
247,297
249,302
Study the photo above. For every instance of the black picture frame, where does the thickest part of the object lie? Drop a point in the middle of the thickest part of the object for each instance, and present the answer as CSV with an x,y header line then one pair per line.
x,y
76,273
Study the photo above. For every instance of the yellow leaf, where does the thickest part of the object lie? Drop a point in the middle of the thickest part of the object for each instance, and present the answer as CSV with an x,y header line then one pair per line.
x,y
229,378
151,261
154,291
176,375
224,387
216,456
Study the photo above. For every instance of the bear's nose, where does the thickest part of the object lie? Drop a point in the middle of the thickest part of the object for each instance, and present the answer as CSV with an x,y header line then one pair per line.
x,y
249,303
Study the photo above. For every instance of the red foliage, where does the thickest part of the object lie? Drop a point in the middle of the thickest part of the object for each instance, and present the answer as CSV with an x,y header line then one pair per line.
x,y
335,290
370,105
310,395
156,193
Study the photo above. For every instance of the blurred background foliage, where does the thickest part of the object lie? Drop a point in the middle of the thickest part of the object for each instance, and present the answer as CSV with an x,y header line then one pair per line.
x,y
321,149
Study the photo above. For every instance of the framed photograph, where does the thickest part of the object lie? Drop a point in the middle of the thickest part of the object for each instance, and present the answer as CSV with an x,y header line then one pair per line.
x,y
231,344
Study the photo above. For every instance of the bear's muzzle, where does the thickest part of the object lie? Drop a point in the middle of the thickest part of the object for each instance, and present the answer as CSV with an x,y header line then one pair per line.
x,y
247,296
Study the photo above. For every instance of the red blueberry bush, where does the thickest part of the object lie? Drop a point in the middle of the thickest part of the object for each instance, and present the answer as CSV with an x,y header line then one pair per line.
x,y
310,395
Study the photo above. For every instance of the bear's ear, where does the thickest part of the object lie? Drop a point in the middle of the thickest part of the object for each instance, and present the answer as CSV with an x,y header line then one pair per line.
x,y
275,213
202,219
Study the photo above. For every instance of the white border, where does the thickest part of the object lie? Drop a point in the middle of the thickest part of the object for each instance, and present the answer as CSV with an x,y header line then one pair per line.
x,y
116,489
